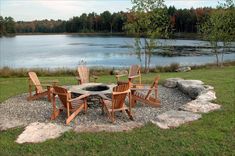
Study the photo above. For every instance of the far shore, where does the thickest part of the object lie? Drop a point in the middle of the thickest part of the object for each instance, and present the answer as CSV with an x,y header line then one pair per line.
x,y
66,33
181,35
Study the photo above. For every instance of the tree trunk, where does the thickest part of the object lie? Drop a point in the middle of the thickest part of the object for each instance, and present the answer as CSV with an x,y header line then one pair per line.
x,y
217,59
111,28
222,55
216,54
149,56
145,55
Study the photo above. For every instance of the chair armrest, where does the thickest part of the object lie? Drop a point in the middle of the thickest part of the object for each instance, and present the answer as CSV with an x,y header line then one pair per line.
x,y
117,93
138,86
134,76
104,97
143,89
121,75
80,97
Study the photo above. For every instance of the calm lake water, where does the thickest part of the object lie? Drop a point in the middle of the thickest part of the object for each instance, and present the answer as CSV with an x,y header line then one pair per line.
x,y
52,51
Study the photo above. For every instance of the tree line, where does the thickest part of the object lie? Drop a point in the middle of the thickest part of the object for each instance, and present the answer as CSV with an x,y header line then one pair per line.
x,y
182,20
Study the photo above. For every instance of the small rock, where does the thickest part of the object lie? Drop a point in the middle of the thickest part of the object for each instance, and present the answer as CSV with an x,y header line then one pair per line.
x,y
183,69
172,82
200,106
39,132
208,87
119,72
175,118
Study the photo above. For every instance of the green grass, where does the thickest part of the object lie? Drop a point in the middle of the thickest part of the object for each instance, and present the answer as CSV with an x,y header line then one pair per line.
x,y
214,134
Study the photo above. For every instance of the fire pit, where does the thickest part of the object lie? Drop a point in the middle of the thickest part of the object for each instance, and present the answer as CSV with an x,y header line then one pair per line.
x,y
96,88
92,88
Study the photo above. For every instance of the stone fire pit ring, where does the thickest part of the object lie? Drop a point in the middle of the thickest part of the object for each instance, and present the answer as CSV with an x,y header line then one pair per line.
x,y
92,88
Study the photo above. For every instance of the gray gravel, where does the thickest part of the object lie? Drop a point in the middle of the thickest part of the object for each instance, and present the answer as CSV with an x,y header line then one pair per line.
x,y
18,108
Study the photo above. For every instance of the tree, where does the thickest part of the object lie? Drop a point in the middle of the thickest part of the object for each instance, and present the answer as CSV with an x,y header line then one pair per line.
x,y
2,28
107,21
220,27
91,21
7,26
84,22
147,19
118,21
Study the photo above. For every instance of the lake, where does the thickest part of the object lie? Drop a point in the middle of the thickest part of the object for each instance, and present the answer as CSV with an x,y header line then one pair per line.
x,y
52,51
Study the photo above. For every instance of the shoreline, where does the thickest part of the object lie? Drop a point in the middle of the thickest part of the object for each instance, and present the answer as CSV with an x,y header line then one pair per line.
x,y
69,71
178,35
66,33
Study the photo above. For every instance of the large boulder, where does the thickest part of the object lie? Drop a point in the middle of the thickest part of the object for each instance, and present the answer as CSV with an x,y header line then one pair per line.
x,y
172,82
191,87
175,118
39,132
198,106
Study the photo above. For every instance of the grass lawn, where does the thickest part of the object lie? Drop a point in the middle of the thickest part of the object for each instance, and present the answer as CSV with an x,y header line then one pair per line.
x,y
214,134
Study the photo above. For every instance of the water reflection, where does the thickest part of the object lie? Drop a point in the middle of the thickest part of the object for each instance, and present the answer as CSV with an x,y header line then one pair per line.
x,y
108,51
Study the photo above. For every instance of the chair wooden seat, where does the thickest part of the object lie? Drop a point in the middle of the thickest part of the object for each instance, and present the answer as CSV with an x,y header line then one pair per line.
x,y
73,106
117,103
108,103
142,93
76,103
39,90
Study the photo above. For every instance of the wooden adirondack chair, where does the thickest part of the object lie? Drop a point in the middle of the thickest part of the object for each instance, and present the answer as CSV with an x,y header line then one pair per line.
x,y
39,91
73,106
84,75
134,72
137,92
117,103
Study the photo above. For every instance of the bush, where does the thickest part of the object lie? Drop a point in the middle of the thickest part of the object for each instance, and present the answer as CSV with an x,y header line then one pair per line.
x,y
171,68
23,72
5,72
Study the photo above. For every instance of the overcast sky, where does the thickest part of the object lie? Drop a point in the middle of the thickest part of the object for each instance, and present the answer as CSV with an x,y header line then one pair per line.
x,y
28,10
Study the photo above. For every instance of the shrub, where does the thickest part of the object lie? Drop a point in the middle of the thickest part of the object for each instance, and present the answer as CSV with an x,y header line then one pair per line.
x,y
171,68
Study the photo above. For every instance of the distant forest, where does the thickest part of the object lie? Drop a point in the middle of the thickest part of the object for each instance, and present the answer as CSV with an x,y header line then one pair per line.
x,y
182,20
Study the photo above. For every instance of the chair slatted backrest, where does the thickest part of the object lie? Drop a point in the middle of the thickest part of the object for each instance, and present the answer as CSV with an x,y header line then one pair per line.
x,y
119,94
34,79
134,70
154,85
63,95
83,72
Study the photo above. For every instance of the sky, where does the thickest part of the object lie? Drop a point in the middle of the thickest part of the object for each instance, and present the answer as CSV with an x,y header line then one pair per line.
x,y
28,10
